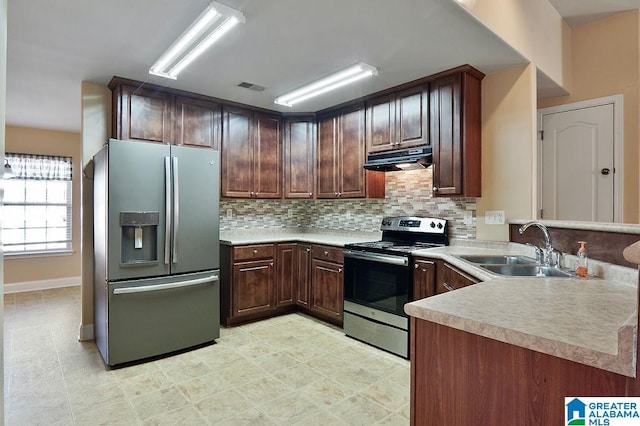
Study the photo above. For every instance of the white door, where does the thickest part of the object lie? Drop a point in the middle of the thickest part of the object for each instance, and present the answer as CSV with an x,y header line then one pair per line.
x,y
577,164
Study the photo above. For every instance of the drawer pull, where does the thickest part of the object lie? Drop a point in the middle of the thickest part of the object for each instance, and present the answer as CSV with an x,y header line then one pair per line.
x,y
326,253
255,251
448,286
416,267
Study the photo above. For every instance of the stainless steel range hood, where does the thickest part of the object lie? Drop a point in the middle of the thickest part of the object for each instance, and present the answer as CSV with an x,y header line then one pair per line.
x,y
405,159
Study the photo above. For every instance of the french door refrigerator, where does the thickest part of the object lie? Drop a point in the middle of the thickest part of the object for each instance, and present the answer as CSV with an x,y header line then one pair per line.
x,y
156,249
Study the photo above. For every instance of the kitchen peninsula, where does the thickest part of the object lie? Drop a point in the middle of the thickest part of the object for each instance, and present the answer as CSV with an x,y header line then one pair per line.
x,y
513,348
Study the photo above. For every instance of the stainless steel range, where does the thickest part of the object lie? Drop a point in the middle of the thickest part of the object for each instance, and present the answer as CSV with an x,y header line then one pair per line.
x,y
378,280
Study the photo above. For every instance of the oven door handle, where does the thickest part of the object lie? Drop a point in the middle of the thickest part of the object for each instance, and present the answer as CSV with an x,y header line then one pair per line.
x,y
377,257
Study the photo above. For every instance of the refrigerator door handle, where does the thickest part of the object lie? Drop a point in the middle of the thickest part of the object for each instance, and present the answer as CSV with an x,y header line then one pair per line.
x,y
176,210
167,207
157,287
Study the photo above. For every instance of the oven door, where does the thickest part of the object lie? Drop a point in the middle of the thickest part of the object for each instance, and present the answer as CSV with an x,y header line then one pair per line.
x,y
378,281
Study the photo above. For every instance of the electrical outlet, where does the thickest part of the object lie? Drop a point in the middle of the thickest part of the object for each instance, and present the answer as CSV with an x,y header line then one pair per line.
x,y
229,214
290,213
494,217
348,214
468,218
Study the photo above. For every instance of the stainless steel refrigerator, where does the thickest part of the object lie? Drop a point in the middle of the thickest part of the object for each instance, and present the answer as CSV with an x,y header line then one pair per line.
x,y
156,249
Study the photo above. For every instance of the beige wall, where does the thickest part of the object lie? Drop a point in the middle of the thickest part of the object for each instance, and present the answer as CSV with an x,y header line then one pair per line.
x,y
508,148
533,28
96,129
50,142
606,61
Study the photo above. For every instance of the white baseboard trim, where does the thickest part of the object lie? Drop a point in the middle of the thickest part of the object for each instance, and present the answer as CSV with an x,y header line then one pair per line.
x,y
41,284
86,332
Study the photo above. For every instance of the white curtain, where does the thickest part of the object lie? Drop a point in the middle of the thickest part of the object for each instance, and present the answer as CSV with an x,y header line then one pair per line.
x,y
39,167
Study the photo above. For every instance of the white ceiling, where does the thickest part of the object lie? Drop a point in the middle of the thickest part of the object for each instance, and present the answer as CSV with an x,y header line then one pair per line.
x,y
53,46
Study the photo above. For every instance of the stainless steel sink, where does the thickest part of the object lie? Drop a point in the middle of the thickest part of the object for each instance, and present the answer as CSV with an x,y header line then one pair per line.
x,y
527,271
499,259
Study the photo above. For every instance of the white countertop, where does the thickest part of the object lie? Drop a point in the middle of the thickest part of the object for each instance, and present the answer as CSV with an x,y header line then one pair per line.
x,y
591,321
308,235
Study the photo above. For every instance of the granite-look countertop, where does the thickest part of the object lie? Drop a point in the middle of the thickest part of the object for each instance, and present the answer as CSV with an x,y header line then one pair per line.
x,y
308,235
592,321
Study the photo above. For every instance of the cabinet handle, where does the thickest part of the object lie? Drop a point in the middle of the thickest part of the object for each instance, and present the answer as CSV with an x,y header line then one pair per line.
x,y
336,194
271,264
424,270
311,194
339,269
326,253
448,286
255,251
308,250
416,266
434,189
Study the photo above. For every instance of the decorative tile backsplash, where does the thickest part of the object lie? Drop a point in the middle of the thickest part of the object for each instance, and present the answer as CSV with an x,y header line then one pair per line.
x,y
408,193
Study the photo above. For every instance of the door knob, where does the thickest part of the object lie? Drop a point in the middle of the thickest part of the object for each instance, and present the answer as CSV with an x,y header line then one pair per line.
x,y
605,171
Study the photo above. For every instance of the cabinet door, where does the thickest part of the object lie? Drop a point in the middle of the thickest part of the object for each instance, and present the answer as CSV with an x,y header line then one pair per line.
x,y
253,285
412,117
445,135
327,158
237,153
303,274
351,181
381,123
286,274
267,157
424,279
456,133
299,158
143,114
197,123
452,279
326,289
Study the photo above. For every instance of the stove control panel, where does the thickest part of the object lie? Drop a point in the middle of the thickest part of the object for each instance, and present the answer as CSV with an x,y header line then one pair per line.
x,y
414,224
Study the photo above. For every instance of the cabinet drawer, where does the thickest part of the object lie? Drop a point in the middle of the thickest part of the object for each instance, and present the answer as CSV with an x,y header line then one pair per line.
x,y
453,279
328,253
258,251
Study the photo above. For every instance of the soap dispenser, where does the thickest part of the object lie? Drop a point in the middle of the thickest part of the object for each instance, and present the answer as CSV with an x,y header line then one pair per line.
x,y
581,260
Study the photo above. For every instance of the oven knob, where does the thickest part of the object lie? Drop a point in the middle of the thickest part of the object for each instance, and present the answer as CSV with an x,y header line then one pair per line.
x,y
433,224
439,226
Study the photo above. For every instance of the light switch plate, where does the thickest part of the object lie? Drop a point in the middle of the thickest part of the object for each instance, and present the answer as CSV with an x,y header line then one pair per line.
x,y
494,217
229,214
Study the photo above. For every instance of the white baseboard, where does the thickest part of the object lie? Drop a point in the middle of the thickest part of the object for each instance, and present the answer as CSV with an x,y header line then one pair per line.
x,y
41,284
86,332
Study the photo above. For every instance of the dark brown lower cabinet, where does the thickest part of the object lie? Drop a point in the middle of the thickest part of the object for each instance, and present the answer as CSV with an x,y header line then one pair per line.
x,y
263,280
460,378
303,274
286,274
424,278
449,278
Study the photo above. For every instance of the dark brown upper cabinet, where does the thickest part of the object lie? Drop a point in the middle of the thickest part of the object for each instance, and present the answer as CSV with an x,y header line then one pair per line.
x,y
341,155
251,154
299,157
398,120
153,114
141,113
198,123
456,132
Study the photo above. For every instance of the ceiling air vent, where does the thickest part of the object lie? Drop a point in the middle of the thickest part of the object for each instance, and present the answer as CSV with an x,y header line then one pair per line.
x,y
251,86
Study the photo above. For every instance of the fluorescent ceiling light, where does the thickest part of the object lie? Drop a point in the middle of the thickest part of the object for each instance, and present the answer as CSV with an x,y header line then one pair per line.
x,y
212,24
339,79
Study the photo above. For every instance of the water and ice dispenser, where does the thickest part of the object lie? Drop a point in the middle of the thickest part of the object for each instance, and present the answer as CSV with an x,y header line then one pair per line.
x,y
139,237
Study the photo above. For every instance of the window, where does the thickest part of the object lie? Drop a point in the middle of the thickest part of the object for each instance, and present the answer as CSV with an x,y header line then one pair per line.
x,y
37,205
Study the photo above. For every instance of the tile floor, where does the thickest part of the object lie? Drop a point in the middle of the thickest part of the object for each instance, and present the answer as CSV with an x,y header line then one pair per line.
x,y
289,370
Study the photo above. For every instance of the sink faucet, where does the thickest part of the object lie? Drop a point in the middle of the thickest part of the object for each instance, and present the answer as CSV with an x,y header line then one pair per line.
x,y
550,255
